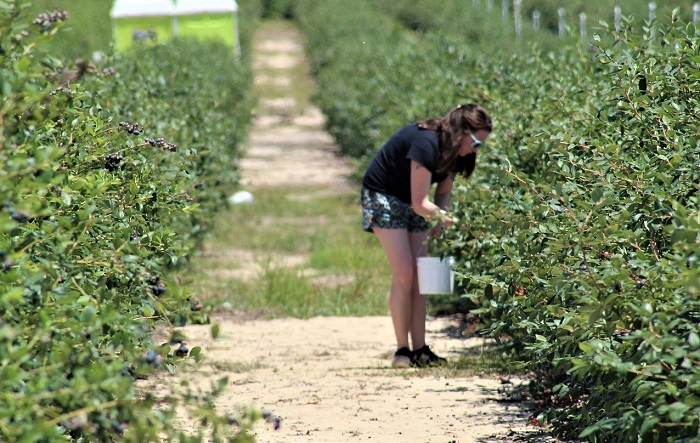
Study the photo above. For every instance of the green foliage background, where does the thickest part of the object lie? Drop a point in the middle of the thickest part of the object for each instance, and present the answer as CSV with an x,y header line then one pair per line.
x,y
579,243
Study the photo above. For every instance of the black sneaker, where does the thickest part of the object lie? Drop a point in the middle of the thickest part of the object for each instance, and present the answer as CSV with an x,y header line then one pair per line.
x,y
424,357
403,358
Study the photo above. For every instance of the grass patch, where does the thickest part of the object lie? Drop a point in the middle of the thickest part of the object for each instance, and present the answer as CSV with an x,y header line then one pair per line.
x,y
276,222
304,259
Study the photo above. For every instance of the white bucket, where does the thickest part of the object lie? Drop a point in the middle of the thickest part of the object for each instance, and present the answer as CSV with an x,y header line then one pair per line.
x,y
435,275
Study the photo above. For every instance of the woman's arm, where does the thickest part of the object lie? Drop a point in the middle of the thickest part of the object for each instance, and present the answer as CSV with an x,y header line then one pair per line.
x,y
420,194
443,193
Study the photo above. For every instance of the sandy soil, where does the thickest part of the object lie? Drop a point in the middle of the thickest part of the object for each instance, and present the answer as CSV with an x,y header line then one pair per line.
x,y
329,379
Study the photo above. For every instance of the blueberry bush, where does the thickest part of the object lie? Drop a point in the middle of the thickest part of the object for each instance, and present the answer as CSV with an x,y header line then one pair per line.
x,y
112,173
579,238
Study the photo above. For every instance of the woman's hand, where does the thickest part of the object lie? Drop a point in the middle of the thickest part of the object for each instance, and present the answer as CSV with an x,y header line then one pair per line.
x,y
443,219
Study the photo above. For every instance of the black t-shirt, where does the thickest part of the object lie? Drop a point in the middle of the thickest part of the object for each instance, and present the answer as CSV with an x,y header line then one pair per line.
x,y
390,170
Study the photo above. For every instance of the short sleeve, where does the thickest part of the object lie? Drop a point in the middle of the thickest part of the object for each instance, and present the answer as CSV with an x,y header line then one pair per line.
x,y
425,152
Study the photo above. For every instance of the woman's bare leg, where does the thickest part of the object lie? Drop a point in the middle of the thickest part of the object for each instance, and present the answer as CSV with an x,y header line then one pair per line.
x,y
397,246
406,304
419,248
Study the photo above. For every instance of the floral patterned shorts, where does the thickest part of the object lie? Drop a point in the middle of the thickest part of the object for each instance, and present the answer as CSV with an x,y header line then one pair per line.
x,y
388,212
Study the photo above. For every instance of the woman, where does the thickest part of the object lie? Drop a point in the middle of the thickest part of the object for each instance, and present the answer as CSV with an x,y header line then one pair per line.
x,y
396,204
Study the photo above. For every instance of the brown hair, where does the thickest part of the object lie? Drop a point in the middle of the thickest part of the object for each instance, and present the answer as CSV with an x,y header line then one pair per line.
x,y
451,129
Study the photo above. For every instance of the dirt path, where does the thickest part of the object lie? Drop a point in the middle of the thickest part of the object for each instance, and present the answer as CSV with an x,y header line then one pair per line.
x,y
329,379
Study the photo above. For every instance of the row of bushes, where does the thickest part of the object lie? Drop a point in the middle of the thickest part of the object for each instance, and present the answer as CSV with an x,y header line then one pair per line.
x,y
112,173
586,242
580,241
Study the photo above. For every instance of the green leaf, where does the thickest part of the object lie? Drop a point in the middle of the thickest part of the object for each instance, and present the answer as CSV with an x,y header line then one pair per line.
x,y
648,424
677,411
222,383
590,430
148,311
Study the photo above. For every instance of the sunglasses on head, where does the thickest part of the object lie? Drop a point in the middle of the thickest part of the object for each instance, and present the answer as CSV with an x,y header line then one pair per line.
x,y
476,143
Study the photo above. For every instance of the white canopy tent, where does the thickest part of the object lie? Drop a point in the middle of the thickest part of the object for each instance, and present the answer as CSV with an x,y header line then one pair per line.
x,y
203,6
141,20
208,19
142,8
160,20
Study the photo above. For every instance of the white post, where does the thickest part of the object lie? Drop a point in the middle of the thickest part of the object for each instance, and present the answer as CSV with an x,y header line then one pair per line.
x,y
516,16
696,13
561,13
582,23
618,18
504,6
536,20
476,2
489,4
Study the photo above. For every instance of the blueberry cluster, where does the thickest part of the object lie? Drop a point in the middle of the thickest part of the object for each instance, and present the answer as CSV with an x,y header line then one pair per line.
x,y
119,427
131,128
161,143
48,20
128,371
152,358
18,216
113,162
182,351
640,283
156,285
5,263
